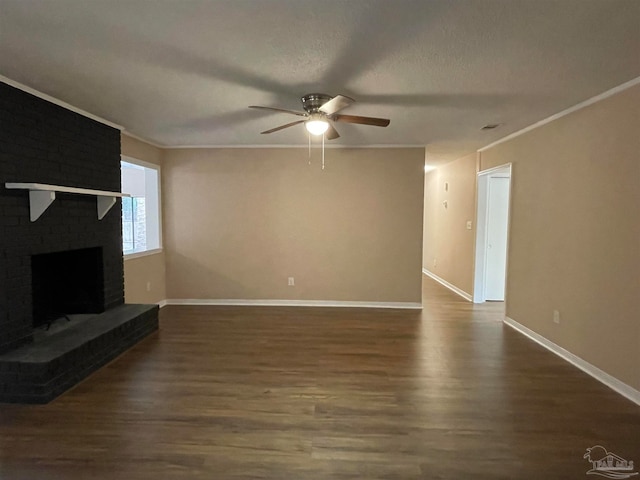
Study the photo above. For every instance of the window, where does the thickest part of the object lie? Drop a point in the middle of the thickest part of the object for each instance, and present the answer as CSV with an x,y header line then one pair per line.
x,y
141,211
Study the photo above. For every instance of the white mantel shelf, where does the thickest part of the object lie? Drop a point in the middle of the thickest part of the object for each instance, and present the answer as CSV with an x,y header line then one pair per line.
x,y
42,195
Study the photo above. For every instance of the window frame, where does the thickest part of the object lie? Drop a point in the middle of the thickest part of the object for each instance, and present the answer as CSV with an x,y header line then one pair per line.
x,y
158,169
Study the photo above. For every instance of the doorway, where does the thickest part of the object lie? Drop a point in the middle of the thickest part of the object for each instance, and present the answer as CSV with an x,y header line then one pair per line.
x,y
492,233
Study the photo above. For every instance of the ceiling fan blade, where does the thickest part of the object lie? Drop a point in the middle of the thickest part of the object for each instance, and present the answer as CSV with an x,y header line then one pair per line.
x,y
281,127
331,133
336,104
376,122
302,114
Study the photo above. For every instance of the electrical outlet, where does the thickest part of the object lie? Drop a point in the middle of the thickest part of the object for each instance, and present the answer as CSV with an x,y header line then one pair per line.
x,y
291,282
148,286
435,262
469,224
556,316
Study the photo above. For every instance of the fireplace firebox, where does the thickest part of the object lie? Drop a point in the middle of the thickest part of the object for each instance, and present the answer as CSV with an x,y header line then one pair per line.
x,y
65,283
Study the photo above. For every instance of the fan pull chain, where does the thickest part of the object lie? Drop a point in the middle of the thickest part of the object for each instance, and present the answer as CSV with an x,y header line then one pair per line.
x,y
323,151
309,135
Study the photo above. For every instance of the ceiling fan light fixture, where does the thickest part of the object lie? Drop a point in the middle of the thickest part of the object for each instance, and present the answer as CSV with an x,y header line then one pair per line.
x,y
316,125
320,111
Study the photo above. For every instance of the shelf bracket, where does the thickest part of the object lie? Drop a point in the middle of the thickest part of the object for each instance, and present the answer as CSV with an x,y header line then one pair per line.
x,y
104,205
42,195
39,201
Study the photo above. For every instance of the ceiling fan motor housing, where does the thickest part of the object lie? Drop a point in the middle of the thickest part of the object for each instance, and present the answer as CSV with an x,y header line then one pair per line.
x,y
313,101
320,110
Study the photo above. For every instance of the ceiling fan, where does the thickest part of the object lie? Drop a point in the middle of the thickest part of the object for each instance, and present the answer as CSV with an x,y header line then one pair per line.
x,y
320,111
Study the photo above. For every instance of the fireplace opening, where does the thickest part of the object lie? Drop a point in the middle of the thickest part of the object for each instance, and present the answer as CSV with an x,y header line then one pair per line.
x,y
66,283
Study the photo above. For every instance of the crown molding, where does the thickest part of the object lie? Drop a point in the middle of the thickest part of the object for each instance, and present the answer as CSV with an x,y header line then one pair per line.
x,y
575,108
306,147
60,103
142,139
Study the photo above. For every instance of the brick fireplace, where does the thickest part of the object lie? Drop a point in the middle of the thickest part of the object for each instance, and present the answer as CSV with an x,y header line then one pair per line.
x,y
42,262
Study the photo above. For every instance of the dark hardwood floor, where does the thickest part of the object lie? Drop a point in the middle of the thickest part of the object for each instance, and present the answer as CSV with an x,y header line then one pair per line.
x,y
320,393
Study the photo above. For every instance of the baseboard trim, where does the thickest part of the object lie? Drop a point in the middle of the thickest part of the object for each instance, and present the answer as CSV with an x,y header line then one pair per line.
x,y
603,377
450,286
162,303
292,303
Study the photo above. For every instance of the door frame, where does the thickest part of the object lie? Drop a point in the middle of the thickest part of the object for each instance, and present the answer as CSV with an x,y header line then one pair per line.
x,y
482,205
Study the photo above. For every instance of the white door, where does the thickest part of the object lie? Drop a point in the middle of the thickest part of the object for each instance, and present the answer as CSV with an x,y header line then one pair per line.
x,y
497,227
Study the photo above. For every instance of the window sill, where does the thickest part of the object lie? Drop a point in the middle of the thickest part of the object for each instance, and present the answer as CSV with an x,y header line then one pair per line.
x,y
146,253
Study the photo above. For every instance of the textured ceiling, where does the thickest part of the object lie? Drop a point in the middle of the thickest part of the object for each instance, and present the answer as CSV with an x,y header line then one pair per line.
x,y
183,72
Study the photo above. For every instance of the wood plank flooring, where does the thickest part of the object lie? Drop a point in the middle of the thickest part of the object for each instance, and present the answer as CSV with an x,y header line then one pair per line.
x,y
319,393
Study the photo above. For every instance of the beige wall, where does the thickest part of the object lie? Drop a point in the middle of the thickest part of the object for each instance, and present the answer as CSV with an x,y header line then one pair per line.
x,y
144,277
448,245
238,222
575,232
132,147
